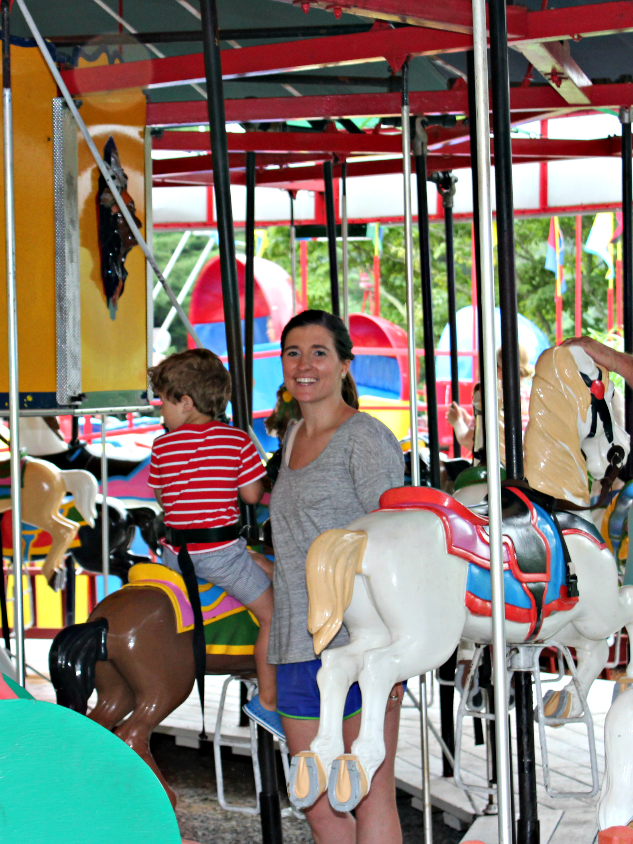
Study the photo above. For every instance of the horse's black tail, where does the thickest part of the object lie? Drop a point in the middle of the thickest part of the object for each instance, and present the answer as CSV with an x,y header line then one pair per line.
x,y
72,659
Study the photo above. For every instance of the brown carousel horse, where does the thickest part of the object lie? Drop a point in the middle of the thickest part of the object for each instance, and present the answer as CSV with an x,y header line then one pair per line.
x,y
141,666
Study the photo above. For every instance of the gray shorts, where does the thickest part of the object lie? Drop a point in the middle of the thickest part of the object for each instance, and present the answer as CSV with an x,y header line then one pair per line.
x,y
232,569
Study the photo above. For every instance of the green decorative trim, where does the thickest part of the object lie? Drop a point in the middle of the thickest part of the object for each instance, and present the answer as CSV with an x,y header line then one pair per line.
x,y
310,718
113,398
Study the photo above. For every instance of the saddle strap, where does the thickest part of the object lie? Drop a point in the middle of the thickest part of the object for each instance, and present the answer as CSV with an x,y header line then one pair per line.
x,y
199,647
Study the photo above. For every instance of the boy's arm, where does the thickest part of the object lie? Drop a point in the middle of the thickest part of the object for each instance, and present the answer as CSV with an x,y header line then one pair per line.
x,y
159,497
251,493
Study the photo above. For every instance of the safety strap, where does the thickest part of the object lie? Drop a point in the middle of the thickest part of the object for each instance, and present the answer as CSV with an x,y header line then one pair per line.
x,y
199,645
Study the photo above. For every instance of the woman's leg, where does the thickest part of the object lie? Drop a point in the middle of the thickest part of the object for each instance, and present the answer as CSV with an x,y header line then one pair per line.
x,y
326,825
377,818
262,609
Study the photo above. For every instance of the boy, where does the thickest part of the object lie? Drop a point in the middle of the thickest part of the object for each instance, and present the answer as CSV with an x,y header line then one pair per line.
x,y
197,470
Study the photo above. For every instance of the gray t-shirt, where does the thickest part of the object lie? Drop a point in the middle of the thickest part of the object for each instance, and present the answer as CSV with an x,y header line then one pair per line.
x,y
361,461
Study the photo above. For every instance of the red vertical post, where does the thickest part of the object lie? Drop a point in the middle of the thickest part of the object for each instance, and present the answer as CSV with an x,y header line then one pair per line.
x,y
559,320
542,184
376,284
209,220
303,256
578,279
87,432
610,306
618,287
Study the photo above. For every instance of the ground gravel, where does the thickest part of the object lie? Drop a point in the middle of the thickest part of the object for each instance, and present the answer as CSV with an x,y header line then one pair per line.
x,y
192,776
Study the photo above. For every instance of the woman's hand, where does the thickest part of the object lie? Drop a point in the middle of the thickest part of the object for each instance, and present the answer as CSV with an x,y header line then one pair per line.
x,y
601,354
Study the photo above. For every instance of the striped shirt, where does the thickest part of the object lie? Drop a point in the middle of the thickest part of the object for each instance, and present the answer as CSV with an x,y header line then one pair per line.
x,y
198,470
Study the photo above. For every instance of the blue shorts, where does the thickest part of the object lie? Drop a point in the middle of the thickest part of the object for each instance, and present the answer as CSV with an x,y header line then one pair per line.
x,y
298,694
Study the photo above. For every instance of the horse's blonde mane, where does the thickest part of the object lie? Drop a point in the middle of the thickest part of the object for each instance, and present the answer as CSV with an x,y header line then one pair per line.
x,y
553,460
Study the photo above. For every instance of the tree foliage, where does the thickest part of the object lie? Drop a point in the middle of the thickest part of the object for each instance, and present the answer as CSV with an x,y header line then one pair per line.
x,y
535,284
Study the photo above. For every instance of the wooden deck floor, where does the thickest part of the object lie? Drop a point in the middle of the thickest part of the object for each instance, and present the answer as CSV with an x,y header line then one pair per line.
x,y
562,819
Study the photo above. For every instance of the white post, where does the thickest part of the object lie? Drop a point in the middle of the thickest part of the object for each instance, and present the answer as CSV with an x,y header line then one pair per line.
x,y
12,330
488,348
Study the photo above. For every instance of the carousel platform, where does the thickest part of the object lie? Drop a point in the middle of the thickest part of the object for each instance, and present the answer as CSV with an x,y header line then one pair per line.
x,y
562,819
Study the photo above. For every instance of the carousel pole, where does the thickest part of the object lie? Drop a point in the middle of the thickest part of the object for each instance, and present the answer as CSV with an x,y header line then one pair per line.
x,y
419,149
270,811
344,234
12,330
527,823
330,220
249,281
487,304
446,189
627,263
413,409
105,515
293,251
474,147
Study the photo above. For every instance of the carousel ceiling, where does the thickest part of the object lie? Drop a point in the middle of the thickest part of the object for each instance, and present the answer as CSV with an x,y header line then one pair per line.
x,y
315,80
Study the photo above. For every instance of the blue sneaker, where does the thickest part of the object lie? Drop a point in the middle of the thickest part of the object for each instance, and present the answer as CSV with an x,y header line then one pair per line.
x,y
266,718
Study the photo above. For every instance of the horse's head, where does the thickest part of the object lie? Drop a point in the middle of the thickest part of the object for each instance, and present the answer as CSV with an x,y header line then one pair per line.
x,y
572,428
603,441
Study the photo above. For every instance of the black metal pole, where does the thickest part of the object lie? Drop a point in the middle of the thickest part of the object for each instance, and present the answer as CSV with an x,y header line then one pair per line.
x,y
249,280
627,264
419,146
527,824
446,189
447,720
474,167
330,219
269,796
500,86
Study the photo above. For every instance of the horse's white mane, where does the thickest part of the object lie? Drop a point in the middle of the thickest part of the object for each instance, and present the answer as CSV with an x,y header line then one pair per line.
x,y
553,460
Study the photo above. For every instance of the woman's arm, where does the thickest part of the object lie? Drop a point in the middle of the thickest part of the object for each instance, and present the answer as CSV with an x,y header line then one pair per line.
x,y
376,463
618,362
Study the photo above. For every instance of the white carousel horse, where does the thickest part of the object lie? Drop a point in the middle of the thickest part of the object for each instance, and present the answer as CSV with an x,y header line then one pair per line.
x,y
43,489
400,579
615,807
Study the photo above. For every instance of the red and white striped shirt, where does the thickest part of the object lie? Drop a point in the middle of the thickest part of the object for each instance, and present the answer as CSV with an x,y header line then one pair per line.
x,y
199,469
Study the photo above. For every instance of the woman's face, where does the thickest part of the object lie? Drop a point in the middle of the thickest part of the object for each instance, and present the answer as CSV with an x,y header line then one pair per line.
x,y
312,369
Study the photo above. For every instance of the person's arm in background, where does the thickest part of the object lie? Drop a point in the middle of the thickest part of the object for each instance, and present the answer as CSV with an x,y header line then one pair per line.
x,y
618,362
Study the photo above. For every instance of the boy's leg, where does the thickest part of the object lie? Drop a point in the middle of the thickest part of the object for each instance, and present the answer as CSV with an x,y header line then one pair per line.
x,y
264,563
262,609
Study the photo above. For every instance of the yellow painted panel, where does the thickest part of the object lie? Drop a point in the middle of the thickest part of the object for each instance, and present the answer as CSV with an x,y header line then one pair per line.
x,y
82,583
48,604
114,355
27,600
33,91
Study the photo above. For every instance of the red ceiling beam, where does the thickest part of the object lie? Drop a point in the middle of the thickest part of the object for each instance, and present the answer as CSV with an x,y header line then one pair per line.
x,y
308,54
198,170
345,143
530,100
447,15
378,44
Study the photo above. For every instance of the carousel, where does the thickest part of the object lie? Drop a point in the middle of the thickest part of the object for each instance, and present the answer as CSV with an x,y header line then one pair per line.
x,y
335,120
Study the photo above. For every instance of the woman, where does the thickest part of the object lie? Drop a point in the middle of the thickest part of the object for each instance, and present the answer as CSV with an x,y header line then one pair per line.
x,y
336,464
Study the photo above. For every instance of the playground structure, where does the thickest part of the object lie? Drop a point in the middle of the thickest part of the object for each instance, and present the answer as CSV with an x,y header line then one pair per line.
x,y
450,31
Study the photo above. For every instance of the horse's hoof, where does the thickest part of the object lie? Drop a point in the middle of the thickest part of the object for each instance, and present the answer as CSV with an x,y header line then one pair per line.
x,y
307,779
621,685
348,783
556,705
57,580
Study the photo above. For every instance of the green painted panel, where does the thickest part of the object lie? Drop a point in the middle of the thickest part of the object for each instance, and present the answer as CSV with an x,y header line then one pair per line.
x,y
66,780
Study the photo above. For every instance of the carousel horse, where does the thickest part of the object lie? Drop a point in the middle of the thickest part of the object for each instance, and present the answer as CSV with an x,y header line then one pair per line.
x,y
136,647
412,578
615,806
43,489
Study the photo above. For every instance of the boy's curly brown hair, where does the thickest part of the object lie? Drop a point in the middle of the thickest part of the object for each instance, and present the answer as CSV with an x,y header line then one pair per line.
x,y
197,373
